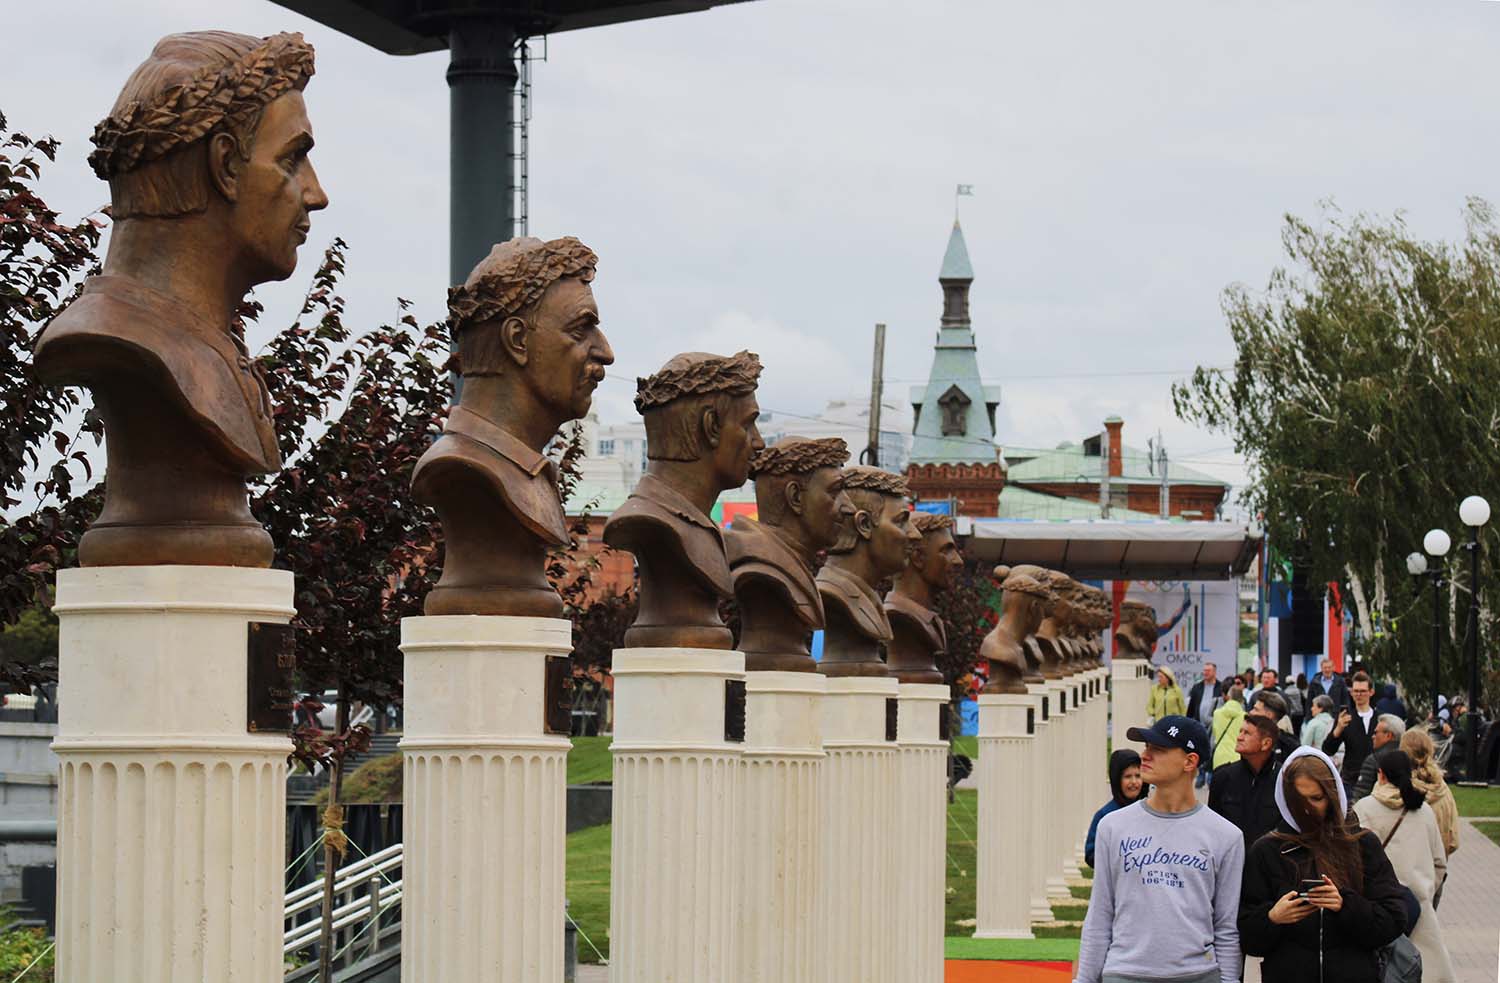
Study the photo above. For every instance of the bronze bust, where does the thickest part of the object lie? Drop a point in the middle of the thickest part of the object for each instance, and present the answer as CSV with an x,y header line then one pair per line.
x,y
700,413
799,494
1137,633
531,354
873,544
1004,647
206,154
918,638
1054,658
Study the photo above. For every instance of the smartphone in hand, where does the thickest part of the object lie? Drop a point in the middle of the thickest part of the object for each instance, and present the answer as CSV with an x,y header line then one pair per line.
x,y
1306,885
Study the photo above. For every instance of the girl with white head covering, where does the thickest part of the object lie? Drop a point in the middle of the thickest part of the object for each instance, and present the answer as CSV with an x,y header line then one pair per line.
x,y
1319,897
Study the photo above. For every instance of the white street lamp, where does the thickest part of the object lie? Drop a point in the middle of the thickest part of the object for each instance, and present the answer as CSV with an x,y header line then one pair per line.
x,y
1474,510
1436,542
1416,564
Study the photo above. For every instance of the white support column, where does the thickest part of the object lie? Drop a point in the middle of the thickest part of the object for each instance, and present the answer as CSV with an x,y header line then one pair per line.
x,y
675,868
859,781
919,843
781,884
1131,686
1044,779
1059,844
1073,787
1007,784
485,792
171,814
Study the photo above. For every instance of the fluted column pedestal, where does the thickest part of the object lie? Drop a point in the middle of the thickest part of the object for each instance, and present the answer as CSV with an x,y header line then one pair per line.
x,y
1007,780
919,843
1061,775
675,868
1074,786
1130,688
1041,799
171,813
780,886
485,800
859,782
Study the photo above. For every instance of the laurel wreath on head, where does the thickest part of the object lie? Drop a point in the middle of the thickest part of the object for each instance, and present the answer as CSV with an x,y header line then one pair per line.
x,y
735,374
519,281
927,522
874,479
210,99
800,455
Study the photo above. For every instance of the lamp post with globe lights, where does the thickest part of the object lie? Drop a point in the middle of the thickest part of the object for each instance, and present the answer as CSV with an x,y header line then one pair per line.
x,y
1475,512
1436,545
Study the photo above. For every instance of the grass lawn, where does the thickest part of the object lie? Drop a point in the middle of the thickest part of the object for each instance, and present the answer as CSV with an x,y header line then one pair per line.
x,y
1477,801
1492,830
590,760
963,825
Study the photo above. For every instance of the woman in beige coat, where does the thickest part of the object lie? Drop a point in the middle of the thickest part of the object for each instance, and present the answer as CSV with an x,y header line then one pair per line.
x,y
1427,778
1398,814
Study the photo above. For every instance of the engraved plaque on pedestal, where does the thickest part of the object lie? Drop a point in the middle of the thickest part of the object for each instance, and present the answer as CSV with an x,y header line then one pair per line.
x,y
270,659
734,711
558,712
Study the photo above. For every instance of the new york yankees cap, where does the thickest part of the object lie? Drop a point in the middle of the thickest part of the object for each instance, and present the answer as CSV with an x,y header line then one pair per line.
x,y
1173,731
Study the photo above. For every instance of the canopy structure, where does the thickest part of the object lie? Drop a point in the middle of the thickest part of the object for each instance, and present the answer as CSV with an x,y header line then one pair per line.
x,y
1097,549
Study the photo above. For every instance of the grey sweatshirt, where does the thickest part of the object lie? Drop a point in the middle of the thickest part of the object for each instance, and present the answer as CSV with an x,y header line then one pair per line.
x,y
1165,897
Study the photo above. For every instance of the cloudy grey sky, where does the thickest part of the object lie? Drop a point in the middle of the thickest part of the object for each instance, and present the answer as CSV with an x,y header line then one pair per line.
x,y
779,175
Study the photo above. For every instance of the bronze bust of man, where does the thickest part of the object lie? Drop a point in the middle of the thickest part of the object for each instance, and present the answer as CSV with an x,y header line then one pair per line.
x,y
700,414
206,154
873,545
799,494
918,638
1004,647
1137,633
531,354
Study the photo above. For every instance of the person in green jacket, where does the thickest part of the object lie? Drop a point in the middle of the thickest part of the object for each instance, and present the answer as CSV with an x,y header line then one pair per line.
x,y
1166,697
1227,722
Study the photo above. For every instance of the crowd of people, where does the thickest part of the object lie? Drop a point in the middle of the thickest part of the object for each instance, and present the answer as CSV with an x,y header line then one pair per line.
x,y
1322,848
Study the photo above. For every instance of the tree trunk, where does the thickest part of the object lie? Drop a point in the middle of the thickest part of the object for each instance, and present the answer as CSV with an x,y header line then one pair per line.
x,y
1361,606
332,846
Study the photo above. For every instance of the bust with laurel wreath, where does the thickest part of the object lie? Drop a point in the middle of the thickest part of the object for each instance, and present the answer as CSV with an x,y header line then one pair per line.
x,y
700,414
800,502
211,189
1030,647
531,353
1137,633
1005,646
873,545
919,640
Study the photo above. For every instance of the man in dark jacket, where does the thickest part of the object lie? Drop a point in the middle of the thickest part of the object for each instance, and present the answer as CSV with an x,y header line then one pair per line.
x,y
1206,696
1244,791
1273,707
1353,730
1328,683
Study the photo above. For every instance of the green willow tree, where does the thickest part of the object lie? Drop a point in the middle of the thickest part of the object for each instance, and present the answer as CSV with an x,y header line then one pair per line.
x,y
1363,399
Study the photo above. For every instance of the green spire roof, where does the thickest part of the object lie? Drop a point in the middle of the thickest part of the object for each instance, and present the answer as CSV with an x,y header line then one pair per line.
x,y
956,259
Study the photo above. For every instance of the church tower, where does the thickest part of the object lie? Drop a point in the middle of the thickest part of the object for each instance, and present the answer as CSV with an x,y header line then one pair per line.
x,y
953,453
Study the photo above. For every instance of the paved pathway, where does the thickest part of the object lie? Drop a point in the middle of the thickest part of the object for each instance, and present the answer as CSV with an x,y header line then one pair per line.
x,y
1471,901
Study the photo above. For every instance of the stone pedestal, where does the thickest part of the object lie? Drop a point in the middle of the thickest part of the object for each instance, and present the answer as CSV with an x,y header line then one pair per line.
x,y
485,793
859,789
1008,780
919,844
675,869
1064,725
1041,798
1076,784
172,815
780,888
1130,686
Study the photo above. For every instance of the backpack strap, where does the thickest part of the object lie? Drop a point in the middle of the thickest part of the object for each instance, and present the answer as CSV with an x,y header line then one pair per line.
x,y
1393,829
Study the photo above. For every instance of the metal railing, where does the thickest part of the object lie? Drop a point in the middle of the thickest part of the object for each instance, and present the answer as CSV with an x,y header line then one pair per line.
x,y
366,904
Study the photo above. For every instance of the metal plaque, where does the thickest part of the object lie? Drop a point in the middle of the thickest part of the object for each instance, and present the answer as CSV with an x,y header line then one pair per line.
x,y
1030,720
734,711
891,711
270,660
1046,702
1062,702
557,713
945,723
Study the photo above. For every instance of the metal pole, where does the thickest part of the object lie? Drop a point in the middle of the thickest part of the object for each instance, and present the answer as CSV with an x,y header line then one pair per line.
x,y
877,394
1473,654
1437,638
481,139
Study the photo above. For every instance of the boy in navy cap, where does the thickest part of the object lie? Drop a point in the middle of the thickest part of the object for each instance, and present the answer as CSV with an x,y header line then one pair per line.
x,y
1166,887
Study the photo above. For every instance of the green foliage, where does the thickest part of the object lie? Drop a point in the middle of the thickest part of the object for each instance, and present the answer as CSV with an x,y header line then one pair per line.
x,y
377,781
26,947
969,609
1492,830
590,761
31,640
1477,801
42,262
1363,401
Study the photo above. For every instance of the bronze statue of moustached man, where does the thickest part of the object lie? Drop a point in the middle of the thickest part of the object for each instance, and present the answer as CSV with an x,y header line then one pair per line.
x,y
206,154
918,638
700,414
873,544
531,354
799,494
1137,633
1004,646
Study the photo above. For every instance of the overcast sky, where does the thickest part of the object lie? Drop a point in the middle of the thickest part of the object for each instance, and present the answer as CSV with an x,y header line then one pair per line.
x,y
779,174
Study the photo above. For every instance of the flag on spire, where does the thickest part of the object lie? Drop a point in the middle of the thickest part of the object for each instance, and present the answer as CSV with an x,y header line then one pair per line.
x,y
966,189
